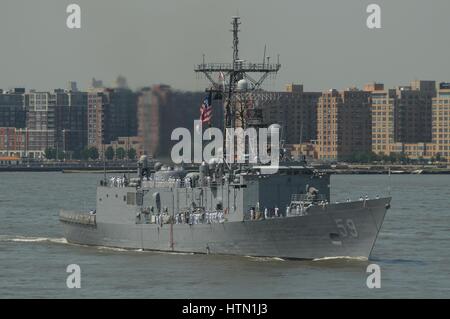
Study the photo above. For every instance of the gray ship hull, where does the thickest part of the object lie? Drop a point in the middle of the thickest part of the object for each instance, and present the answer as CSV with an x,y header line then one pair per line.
x,y
346,229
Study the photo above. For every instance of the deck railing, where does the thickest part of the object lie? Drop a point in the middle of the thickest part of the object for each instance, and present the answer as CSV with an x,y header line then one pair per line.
x,y
307,197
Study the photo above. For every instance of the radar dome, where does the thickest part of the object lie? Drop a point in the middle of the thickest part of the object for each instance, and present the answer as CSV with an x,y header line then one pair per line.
x,y
242,85
213,160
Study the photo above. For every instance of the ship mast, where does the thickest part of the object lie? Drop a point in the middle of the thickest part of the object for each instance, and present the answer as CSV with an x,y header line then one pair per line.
x,y
232,73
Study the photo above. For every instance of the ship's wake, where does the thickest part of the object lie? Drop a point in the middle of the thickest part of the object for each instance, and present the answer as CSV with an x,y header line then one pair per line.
x,y
63,241
253,258
28,239
133,250
337,258
111,248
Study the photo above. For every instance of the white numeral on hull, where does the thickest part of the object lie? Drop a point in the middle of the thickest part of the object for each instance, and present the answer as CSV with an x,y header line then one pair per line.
x,y
346,227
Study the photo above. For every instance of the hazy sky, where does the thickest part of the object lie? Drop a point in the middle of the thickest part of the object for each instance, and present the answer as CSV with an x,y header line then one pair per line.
x,y
322,44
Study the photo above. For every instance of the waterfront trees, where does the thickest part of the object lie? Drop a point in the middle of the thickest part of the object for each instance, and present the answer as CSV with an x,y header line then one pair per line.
x,y
89,153
93,153
50,153
109,153
120,153
131,154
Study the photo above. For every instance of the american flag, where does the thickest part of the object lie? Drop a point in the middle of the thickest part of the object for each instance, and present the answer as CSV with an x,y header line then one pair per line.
x,y
206,110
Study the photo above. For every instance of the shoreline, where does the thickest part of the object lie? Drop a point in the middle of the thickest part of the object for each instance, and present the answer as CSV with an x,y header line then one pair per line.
x,y
69,168
395,170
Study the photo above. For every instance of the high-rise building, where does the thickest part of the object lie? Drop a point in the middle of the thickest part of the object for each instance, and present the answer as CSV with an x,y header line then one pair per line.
x,y
344,124
402,118
294,110
41,114
12,119
112,113
384,104
162,109
56,120
71,120
440,147
12,108
414,112
96,103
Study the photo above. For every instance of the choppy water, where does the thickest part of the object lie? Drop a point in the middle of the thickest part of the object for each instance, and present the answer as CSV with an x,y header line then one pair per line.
x,y
413,249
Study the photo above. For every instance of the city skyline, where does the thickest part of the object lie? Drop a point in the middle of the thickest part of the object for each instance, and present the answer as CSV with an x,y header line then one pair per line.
x,y
283,86
411,119
323,44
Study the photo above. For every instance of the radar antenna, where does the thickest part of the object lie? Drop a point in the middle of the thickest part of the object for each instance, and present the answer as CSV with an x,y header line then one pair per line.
x,y
234,72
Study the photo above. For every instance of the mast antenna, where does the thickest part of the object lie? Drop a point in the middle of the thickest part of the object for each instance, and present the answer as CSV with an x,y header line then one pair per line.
x,y
231,73
264,56
235,71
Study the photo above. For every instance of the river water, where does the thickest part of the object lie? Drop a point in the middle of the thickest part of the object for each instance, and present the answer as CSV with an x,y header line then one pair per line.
x,y
413,249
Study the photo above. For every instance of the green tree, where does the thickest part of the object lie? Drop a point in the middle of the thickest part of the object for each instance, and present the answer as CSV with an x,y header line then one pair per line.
x,y
50,153
363,157
120,153
109,153
131,154
93,153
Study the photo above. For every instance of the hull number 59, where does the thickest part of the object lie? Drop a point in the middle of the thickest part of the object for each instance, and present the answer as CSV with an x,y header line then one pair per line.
x,y
346,227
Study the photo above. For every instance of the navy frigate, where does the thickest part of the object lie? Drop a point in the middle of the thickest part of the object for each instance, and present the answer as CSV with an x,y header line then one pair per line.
x,y
225,208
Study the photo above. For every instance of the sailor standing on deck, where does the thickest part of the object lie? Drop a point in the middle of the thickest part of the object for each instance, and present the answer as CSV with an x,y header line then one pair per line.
x,y
276,212
266,213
